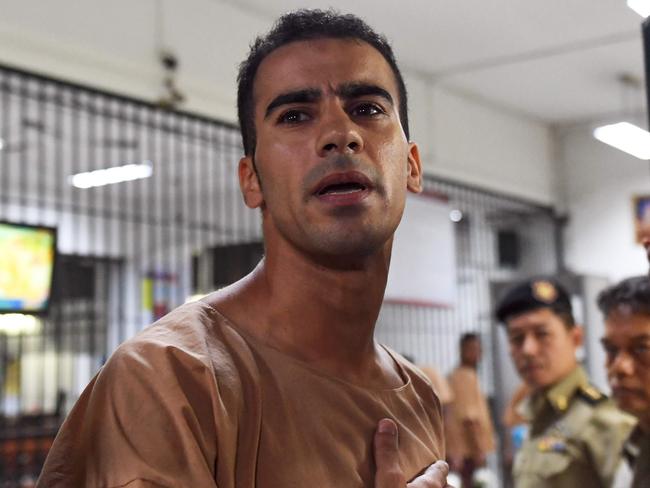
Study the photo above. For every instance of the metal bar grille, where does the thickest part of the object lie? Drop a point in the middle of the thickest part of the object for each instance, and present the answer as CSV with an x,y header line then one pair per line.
x,y
430,335
125,249
131,251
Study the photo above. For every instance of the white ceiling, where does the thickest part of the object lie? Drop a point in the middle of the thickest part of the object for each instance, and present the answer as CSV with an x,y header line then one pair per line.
x,y
557,61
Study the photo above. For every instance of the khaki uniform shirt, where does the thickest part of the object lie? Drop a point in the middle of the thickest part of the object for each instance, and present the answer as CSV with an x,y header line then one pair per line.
x,y
576,435
195,402
468,404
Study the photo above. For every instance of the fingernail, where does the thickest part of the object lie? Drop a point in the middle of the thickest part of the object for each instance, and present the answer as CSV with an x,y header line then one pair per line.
x,y
387,427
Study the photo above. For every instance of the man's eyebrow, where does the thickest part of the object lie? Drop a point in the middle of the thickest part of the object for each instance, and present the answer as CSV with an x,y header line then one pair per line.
x,y
360,89
307,95
637,338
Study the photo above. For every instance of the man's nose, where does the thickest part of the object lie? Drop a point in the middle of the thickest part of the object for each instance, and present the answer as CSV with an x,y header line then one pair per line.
x,y
339,133
529,346
622,364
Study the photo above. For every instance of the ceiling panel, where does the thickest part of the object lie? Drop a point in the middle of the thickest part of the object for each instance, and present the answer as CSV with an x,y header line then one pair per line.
x,y
556,61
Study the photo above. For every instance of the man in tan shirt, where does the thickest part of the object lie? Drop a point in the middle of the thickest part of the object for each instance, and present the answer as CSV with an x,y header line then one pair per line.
x,y
470,435
276,380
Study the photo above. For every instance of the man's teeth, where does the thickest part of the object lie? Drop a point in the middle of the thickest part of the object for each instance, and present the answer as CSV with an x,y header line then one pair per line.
x,y
342,191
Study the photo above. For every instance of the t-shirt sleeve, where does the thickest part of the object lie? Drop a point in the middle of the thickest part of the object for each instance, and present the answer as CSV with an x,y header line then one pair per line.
x,y
439,383
145,420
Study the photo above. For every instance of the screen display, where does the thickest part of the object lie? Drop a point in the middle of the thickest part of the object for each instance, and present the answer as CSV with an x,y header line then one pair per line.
x,y
26,266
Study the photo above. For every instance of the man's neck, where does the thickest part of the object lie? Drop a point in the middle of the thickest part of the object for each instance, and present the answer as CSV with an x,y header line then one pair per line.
x,y
320,315
544,389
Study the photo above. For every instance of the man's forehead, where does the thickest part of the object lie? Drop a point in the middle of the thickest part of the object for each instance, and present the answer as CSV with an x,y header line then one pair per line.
x,y
536,317
614,337
617,323
322,64
526,325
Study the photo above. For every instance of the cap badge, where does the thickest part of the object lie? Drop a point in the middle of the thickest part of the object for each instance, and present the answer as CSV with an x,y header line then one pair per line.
x,y
544,291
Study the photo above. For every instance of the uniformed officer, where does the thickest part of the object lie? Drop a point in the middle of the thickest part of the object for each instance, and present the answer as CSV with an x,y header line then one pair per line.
x,y
575,432
626,307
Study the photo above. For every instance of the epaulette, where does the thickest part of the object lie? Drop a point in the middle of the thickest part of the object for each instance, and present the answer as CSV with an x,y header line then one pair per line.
x,y
591,394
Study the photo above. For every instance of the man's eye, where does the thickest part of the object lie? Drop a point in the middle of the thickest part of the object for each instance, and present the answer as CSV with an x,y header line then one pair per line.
x,y
610,351
366,110
293,117
516,340
642,350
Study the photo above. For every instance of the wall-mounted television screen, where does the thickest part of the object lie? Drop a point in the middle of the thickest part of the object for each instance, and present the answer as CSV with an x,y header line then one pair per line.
x,y
27,256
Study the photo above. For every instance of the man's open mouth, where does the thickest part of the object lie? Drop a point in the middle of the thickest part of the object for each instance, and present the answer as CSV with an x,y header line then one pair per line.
x,y
341,189
343,184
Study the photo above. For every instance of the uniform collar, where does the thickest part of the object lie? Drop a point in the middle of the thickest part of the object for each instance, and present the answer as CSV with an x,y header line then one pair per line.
x,y
559,395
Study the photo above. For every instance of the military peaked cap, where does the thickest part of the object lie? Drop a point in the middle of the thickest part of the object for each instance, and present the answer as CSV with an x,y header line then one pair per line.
x,y
531,295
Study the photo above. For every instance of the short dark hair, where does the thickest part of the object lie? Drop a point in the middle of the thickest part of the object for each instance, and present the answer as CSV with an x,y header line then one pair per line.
x,y
468,337
631,295
303,25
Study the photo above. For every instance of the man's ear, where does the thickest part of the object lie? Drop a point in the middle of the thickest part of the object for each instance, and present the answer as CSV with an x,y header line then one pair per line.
x,y
249,183
414,168
577,334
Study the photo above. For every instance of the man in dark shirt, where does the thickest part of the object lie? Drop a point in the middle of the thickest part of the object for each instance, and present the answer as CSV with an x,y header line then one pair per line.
x,y
626,307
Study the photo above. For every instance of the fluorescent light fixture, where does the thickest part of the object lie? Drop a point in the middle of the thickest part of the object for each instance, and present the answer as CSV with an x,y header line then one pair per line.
x,y
109,176
17,323
641,7
2,143
626,137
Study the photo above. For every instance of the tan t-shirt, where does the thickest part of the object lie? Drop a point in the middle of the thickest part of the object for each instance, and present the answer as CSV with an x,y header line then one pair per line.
x,y
439,383
194,402
468,404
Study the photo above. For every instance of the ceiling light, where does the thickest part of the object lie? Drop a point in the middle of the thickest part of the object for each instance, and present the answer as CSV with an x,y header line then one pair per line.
x,y
626,137
641,7
2,143
109,176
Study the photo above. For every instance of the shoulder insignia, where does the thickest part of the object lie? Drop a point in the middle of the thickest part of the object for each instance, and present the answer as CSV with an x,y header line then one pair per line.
x,y
551,444
591,395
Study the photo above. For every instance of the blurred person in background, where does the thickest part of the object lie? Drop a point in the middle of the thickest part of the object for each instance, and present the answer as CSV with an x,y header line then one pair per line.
x,y
469,430
575,431
626,308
